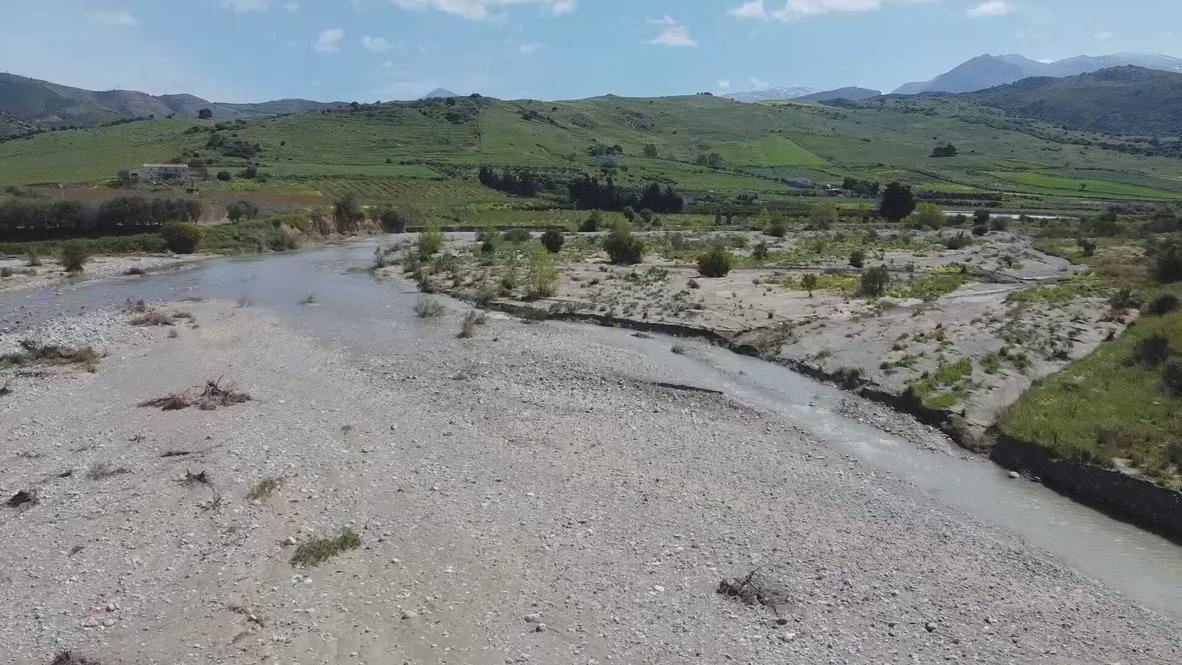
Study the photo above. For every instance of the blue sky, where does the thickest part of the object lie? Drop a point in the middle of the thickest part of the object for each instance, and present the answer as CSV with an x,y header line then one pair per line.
x,y
367,50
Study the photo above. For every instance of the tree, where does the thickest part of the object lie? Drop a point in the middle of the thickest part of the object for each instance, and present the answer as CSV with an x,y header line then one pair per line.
x,y
347,213
824,215
712,160
929,215
225,176
716,261
592,223
396,220
981,216
857,258
875,281
650,151
809,283
181,238
553,241
251,172
778,228
241,210
897,202
630,214
74,254
944,150
622,247
205,114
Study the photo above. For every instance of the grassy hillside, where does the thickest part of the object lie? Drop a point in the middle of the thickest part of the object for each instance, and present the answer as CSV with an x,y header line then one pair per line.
x,y
762,147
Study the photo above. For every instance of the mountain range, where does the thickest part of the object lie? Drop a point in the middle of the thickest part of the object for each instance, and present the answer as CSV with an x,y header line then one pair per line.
x,y
987,71
29,104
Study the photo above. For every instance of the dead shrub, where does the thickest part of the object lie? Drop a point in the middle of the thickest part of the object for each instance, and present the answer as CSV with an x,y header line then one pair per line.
x,y
22,498
212,396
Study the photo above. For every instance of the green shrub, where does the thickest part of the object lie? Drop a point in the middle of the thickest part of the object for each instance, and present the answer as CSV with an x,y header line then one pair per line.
x,y
592,223
857,258
1125,299
1153,350
1161,306
542,278
809,283
471,321
622,247
1167,263
518,235
396,220
875,281
181,238
716,262
427,307
777,228
315,552
1171,376
760,252
73,254
225,176
1087,247
1174,452
430,242
958,241
553,241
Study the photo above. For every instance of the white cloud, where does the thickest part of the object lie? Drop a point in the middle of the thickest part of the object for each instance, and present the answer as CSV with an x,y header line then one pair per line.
x,y
329,41
990,8
375,44
798,9
484,10
758,84
673,33
120,18
724,85
530,48
753,9
243,6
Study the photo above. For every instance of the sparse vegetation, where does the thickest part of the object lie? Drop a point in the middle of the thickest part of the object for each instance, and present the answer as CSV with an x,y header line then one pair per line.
x,y
717,261
472,320
264,489
315,552
427,307
74,254
875,281
622,247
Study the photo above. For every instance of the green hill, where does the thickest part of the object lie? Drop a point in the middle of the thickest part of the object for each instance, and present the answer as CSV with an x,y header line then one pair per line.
x,y
772,149
1122,100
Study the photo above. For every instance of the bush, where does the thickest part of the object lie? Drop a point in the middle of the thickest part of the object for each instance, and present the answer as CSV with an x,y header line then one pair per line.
x,y
542,279
553,241
760,251
427,307
1161,306
716,262
395,220
980,230
958,241
824,215
241,210
518,235
74,254
622,247
1125,299
32,259
1088,247
592,223
929,215
1171,376
348,213
809,283
1153,350
225,176
875,281
430,242
1167,263
181,238
777,228
857,258
1174,452
999,223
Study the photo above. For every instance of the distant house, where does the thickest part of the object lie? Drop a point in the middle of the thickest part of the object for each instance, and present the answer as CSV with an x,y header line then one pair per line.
x,y
162,172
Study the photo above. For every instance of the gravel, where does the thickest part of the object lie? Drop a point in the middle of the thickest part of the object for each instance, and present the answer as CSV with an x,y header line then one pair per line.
x,y
522,479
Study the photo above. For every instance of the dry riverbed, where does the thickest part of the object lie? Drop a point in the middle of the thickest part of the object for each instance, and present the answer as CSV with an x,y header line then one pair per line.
x,y
17,273
964,329
527,495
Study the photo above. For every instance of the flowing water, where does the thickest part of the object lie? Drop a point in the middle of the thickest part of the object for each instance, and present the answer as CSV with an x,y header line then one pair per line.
x,y
354,309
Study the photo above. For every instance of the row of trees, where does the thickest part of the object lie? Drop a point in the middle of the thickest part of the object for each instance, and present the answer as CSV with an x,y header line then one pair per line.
x,y
520,184
27,220
588,193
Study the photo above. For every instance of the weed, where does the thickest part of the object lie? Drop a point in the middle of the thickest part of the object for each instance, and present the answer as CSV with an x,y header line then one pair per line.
x,y
152,318
471,321
427,307
264,489
315,552
212,396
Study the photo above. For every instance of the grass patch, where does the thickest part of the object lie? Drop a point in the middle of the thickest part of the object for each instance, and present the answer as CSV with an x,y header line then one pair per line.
x,y
315,552
264,489
1070,414
32,353
427,307
946,387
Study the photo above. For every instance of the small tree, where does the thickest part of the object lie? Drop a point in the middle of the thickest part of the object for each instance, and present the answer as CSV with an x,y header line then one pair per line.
x,y
1167,263
430,242
897,202
716,262
630,214
181,238
650,151
225,176
205,114
981,216
875,281
929,215
74,254
394,220
647,216
348,213
241,210
809,282
553,241
542,279
622,247
592,223
777,228
824,215
857,258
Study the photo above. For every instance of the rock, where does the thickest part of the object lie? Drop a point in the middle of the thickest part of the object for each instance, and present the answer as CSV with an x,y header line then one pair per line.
x,y
540,628
533,618
409,614
787,637
930,626
290,542
1015,474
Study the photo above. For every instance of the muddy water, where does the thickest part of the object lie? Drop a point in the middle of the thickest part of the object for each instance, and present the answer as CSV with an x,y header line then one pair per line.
x,y
353,309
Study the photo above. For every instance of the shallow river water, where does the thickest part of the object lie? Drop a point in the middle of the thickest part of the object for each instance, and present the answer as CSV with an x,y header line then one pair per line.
x,y
356,310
